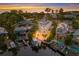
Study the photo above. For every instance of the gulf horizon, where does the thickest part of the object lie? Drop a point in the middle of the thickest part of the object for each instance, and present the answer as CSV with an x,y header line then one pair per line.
x,y
38,7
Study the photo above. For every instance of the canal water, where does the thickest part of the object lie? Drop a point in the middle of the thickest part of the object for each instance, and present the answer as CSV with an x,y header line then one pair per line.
x,y
27,51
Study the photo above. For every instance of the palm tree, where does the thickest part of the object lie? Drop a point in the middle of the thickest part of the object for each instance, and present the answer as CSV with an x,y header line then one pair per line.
x,y
52,11
56,11
61,10
13,11
26,12
20,12
47,10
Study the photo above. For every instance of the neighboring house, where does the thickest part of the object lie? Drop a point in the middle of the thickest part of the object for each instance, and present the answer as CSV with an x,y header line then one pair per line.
x,y
25,23
21,32
22,28
76,36
4,37
70,16
61,30
3,30
75,13
54,15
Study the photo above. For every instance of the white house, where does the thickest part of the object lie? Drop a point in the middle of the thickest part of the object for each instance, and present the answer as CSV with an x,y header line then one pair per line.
x,y
43,31
3,30
44,25
61,29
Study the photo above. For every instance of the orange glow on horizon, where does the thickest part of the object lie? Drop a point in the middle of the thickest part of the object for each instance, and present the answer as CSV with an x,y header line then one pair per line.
x,y
20,7
32,8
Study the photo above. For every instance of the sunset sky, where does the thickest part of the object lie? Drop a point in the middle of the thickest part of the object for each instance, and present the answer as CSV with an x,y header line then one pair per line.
x,y
37,7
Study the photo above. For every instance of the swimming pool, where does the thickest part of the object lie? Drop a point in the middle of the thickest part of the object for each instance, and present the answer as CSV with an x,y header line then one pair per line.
x,y
74,49
60,43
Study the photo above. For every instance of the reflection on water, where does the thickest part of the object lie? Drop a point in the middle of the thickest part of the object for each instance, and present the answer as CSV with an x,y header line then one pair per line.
x,y
30,51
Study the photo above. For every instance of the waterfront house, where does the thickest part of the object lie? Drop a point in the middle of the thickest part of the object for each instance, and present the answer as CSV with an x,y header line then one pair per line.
x,y
69,16
61,30
43,32
3,37
22,28
76,36
21,33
